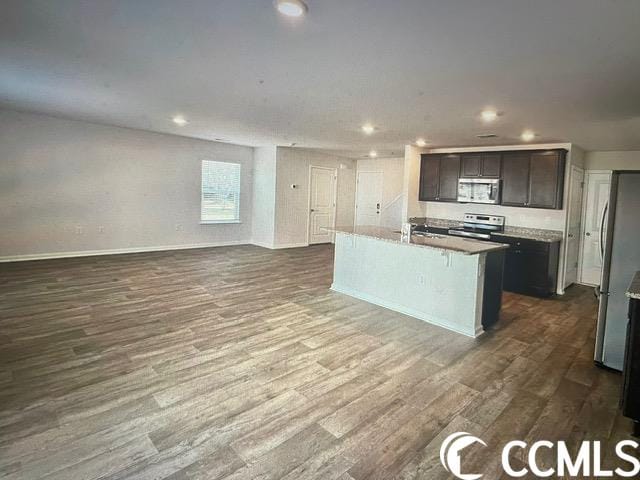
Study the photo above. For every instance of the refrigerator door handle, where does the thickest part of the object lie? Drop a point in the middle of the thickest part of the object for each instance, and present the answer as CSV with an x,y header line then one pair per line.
x,y
602,220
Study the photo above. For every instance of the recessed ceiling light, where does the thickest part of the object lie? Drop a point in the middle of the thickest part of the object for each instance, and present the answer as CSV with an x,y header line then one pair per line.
x,y
291,8
528,135
180,120
373,154
421,142
489,115
368,129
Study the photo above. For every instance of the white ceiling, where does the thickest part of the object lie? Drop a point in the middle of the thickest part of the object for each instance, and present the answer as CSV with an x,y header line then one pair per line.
x,y
568,69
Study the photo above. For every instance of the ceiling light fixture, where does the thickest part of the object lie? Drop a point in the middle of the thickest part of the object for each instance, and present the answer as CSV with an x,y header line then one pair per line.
x,y
421,142
373,154
180,120
489,115
528,135
292,8
368,129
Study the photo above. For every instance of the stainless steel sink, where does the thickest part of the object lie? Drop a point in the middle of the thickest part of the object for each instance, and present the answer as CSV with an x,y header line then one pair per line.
x,y
424,234
429,235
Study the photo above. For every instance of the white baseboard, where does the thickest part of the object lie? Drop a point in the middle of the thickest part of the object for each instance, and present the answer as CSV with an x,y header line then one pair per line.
x,y
401,309
292,245
271,246
262,244
115,251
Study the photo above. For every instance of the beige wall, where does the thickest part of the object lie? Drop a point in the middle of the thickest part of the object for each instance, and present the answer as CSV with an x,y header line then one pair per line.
x,y
292,204
613,160
70,186
264,196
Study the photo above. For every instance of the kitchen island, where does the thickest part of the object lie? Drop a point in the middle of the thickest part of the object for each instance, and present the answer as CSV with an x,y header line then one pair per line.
x,y
452,282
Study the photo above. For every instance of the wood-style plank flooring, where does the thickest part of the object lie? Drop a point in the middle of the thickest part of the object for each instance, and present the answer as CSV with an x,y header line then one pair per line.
x,y
240,363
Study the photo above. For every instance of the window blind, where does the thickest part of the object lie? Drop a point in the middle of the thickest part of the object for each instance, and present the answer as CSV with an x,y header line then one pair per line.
x,y
220,200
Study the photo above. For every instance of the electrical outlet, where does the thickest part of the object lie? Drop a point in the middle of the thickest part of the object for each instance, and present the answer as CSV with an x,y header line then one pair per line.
x,y
421,279
79,230
101,229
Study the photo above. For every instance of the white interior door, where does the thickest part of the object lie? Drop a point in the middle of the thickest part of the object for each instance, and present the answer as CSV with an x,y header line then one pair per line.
x,y
322,204
572,246
369,198
597,185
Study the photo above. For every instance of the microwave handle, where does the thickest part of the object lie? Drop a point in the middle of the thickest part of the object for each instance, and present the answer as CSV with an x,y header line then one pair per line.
x,y
495,191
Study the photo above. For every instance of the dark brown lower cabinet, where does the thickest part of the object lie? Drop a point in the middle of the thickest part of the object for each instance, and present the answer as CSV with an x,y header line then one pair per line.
x,y
631,384
531,266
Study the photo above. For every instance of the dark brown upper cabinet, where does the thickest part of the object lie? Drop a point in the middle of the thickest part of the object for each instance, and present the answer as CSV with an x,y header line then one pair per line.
x,y
546,179
533,178
481,165
530,178
429,177
439,174
515,178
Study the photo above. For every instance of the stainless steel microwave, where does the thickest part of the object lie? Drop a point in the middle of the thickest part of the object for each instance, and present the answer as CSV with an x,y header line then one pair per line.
x,y
479,190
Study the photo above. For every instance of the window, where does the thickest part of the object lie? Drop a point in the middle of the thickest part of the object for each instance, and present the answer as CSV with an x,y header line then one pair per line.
x,y
220,199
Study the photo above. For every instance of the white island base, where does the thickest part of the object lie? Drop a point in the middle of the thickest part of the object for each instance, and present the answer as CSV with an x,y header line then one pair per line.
x,y
441,286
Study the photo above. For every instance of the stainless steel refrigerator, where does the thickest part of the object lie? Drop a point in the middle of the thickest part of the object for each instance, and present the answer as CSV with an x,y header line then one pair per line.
x,y
620,249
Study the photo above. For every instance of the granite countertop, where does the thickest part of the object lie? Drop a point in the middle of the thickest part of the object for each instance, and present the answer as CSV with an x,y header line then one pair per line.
x,y
538,234
634,289
441,242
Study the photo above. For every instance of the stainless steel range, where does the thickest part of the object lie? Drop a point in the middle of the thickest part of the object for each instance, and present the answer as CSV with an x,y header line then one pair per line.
x,y
479,226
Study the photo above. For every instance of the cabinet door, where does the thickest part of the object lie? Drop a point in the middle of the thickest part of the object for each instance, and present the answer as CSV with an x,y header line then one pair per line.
x,y
515,179
471,165
490,166
536,272
429,177
514,270
546,180
449,175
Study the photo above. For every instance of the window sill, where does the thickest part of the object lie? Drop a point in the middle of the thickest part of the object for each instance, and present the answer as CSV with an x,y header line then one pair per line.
x,y
219,222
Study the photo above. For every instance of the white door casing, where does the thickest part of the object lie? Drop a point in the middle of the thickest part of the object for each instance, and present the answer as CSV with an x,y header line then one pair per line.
x,y
368,198
574,221
322,204
596,196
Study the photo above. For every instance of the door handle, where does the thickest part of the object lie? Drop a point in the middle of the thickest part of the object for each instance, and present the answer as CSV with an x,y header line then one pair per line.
x,y
312,210
588,234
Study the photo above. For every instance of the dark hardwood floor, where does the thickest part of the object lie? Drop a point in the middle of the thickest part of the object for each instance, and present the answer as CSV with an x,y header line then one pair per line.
x,y
240,363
